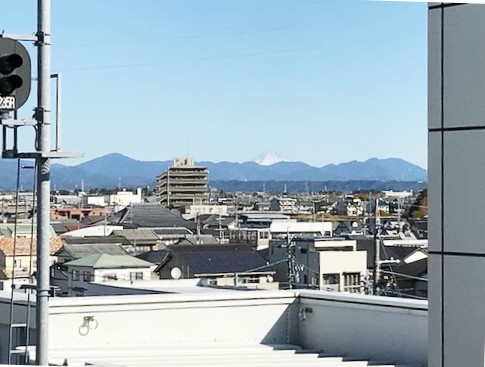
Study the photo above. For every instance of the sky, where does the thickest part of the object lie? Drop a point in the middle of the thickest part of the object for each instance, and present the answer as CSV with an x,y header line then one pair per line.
x,y
317,81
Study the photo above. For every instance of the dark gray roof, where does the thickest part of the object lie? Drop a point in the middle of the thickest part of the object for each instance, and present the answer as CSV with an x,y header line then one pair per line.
x,y
158,257
59,228
96,240
417,268
386,253
217,259
149,215
81,250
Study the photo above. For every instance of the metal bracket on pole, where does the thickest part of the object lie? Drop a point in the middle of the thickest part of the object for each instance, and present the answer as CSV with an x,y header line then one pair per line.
x,y
22,122
13,154
42,38
39,115
20,37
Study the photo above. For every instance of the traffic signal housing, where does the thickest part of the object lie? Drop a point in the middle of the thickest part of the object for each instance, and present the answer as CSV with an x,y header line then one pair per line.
x,y
15,74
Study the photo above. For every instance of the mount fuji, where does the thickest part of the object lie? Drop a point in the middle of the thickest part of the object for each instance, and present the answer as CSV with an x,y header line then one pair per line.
x,y
269,158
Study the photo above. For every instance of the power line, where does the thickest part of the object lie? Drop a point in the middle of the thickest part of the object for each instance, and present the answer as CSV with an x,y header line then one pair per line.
x,y
178,38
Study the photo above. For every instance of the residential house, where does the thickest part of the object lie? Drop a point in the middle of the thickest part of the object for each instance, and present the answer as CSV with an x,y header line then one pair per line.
x,y
221,265
319,263
124,198
102,268
412,278
63,213
138,240
69,252
419,228
150,215
195,211
348,227
171,235
18,256
260,232
216,225
306,207
285,205
349,206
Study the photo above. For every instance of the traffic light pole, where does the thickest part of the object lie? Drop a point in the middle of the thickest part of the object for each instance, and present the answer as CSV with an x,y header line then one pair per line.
x,y
43,178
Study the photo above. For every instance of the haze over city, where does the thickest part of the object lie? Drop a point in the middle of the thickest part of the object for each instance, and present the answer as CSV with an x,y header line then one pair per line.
x,y
316,81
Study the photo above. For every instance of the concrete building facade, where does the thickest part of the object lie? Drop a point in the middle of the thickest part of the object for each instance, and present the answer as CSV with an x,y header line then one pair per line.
x,y
182,185
456,135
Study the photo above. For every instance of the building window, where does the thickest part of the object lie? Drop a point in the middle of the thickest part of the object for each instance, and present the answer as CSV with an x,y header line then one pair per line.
x,y
263,235
137,275
87,276
352,282
250,279
75,275
331,278
17,263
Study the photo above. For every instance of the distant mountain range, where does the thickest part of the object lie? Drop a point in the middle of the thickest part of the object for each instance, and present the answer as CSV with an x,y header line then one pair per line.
x,y
116,169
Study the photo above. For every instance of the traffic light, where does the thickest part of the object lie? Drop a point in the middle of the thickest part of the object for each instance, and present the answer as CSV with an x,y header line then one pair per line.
x,y
15,74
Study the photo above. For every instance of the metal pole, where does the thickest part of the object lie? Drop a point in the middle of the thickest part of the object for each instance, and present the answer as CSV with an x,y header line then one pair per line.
x,y
377,254
43,178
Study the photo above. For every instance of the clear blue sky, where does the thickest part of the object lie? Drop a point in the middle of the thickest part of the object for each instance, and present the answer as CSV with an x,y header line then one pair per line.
x,y
319,81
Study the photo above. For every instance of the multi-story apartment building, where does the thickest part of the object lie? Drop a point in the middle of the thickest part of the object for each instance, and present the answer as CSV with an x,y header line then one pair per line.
x,y
183,185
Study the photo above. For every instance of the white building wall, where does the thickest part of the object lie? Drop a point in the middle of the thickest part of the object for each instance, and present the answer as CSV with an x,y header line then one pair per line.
x,y
101,275
340,262
171,319
381,328
125,198
207,209
100,230
283,226
366,327
95,200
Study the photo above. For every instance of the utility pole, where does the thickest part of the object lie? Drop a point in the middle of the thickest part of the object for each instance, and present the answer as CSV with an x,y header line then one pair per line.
x,y
43,118
290,257
377,251
15,71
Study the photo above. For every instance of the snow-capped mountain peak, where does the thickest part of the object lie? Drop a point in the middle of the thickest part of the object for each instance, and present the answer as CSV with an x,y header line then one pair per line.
x,y
269,158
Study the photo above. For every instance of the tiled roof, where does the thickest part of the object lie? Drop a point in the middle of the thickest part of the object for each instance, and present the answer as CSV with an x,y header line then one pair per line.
x,y
137,234
158,257
78,251
23,245
172,231
209,259
105,261
148,215
96,240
